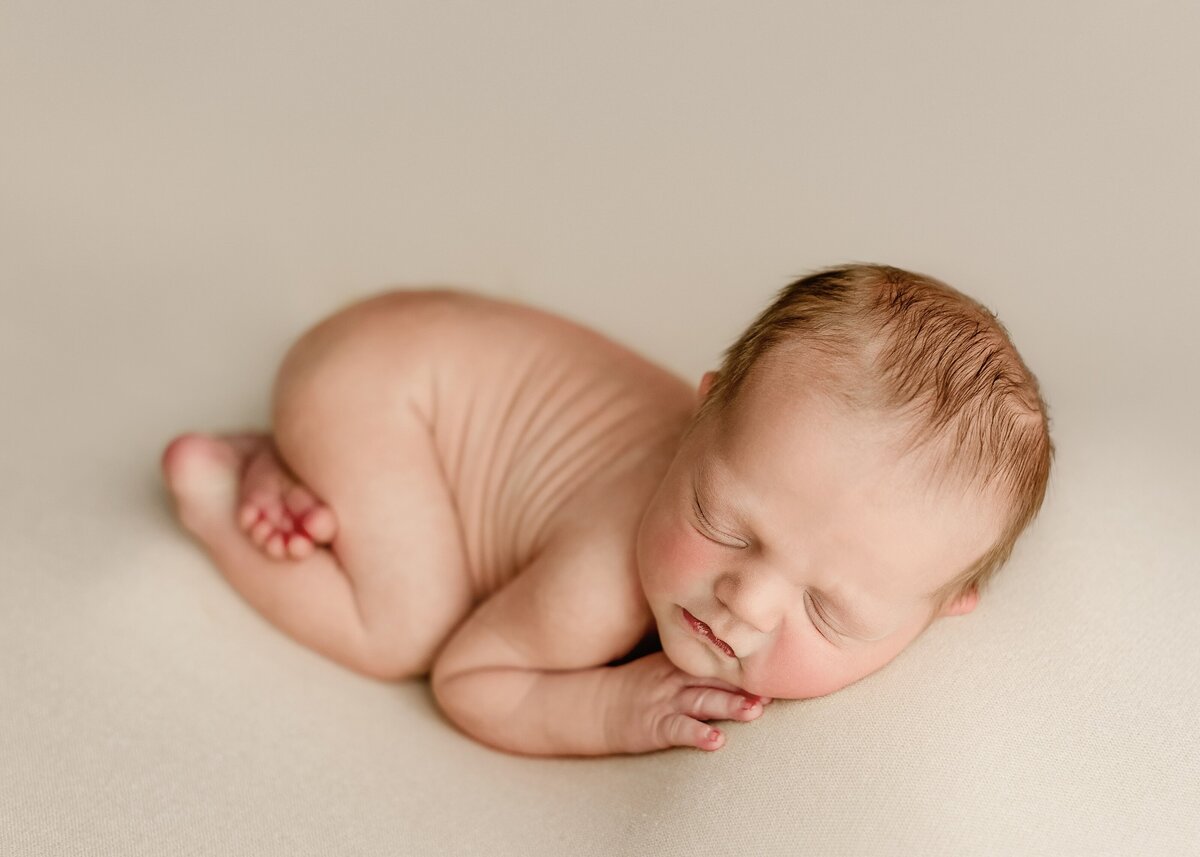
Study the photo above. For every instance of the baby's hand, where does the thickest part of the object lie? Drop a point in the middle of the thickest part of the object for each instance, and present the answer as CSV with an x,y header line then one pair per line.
x,y
660,706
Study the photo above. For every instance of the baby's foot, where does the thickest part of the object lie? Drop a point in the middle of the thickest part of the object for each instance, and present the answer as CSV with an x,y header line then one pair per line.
x,y
201,472
281,516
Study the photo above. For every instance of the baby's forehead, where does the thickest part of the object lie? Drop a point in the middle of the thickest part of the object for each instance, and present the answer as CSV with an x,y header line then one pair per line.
x,y
771,439
791,395
791,419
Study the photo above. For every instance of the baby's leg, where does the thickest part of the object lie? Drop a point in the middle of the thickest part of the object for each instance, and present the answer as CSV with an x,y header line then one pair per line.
x,y
393,585
310,599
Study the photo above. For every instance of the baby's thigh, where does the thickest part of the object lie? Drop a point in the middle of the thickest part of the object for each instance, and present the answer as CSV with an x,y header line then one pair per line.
x,y
344,423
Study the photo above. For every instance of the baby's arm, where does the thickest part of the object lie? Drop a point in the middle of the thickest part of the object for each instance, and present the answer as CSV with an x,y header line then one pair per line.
x,y
523,672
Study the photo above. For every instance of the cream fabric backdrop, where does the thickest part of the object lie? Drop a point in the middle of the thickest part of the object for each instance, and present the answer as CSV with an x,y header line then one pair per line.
x,y
184,187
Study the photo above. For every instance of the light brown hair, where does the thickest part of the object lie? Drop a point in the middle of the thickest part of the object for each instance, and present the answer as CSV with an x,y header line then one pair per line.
x,y
908,344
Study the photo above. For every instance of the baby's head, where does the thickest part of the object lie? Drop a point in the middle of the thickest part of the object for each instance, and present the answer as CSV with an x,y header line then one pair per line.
x,y
861,465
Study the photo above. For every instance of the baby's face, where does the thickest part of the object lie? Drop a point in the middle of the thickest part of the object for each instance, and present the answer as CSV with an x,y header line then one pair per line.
x,y
807,548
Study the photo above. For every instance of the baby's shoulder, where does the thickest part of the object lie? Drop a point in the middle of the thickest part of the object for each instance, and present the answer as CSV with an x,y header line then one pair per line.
x,y
598,526
590,576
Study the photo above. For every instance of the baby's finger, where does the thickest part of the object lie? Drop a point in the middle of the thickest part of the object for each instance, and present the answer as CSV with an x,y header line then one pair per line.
x,y
709,703
682,731
708,681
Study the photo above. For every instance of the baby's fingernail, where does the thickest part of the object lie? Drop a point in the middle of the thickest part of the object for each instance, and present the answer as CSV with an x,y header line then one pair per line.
x,y
748,703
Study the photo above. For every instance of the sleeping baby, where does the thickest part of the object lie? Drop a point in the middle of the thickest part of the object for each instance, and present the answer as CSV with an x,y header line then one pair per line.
x,y
588,556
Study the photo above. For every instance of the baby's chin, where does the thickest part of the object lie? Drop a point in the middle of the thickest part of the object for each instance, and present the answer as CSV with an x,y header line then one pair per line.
x,y
686,654
689,663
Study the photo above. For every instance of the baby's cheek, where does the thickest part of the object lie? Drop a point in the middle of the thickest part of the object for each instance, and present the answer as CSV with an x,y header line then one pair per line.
x,y
677,558
785,672
799,668
685,552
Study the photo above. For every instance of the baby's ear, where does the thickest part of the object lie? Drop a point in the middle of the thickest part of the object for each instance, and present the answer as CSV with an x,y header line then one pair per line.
x,y
964,603
706,384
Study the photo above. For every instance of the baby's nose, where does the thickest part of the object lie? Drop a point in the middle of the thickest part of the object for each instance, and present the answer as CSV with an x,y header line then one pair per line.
x,y
759,600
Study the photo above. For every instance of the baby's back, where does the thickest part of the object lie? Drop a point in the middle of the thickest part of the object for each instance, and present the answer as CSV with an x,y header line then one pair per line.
x,y
533,417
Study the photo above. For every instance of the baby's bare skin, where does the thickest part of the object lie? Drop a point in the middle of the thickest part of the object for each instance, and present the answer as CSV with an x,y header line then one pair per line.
x,y
510,504
441,444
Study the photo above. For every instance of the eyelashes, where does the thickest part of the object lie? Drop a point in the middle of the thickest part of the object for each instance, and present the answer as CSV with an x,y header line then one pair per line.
x,y
713,531
821,614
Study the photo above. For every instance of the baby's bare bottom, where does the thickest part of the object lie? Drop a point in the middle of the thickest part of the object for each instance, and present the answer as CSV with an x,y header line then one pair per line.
x,y
386,594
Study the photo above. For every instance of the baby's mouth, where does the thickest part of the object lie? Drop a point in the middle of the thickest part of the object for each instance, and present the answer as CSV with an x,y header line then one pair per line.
x,y
703,630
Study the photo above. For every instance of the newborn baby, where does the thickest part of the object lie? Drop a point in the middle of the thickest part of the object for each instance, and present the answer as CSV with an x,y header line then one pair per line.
x,y
511,503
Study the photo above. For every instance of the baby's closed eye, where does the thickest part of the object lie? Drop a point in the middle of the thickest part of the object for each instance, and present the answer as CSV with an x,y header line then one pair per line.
x,y
711,531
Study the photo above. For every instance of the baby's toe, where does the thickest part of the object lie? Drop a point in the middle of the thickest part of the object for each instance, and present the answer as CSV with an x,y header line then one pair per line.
x,y
311,515
320,524
248,516
265,503
299,547
275,547
261,531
